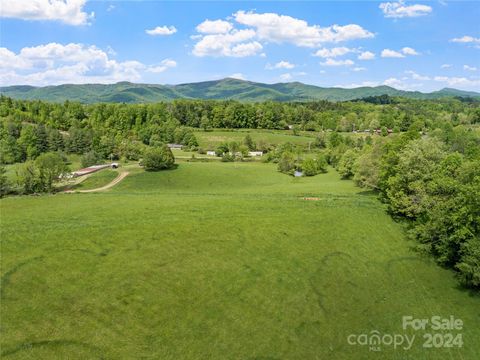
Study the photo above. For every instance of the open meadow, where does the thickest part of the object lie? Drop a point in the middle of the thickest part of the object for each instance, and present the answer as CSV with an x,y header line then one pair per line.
x,y
213,261
213,138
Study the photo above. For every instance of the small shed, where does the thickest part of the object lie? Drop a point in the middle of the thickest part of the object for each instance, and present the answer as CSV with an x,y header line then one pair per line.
x,y
175,146
211,153
255,153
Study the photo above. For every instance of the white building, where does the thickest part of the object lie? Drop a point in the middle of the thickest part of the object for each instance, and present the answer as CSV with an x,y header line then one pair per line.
x,y
255,153
175,146
211,153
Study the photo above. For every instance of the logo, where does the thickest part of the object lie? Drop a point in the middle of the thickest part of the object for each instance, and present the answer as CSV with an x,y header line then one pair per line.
x,y
438,332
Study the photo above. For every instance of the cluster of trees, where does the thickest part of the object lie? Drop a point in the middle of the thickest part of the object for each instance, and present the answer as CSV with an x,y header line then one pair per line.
x,y
290,158
238,151
431,181
20,142
39,175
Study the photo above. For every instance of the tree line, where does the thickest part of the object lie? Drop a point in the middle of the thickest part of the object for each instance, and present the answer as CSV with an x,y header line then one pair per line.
x,y
432,182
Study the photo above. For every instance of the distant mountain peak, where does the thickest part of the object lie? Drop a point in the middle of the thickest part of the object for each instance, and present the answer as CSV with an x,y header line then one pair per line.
x,y
221,89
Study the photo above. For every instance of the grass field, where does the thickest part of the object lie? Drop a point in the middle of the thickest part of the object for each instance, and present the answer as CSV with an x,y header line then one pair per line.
x,y
211,139
97,179
217,261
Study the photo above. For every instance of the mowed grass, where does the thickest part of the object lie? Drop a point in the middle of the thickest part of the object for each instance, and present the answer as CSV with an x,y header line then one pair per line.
x,y
97,179
211,139
217,261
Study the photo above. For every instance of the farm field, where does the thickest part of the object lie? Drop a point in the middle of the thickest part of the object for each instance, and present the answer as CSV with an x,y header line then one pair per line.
x,y
211,139
212,259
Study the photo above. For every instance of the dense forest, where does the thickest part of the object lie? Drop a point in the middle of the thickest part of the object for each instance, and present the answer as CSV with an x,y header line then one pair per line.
x,y
32,127
423,157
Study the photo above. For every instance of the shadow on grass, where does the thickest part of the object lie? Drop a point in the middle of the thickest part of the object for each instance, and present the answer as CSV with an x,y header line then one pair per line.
x,y
5,279
173,167
45,343
368,193
472,292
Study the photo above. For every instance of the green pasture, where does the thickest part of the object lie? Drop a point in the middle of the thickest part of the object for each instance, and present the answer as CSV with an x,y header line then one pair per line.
x,y
97,179
211,139
217,261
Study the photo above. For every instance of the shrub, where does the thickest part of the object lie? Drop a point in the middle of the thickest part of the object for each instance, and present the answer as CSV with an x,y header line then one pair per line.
x,y
309,167
227,157
286,163
347,163
158,158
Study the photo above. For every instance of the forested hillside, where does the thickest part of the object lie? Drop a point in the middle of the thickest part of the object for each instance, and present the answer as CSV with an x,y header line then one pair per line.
x,y
224,89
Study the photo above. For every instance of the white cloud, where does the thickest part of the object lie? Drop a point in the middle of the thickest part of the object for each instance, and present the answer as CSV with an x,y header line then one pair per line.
x,y
214,27
54,63
387,53
416,76
333,52
238,76
401,85
362,84
466,39
286,77
162,31
67,11
409,51
286,29
400,10
246,49
366,55
469,68
459,81
280,65
359,69
236,43
333,62
221,38
446,66
164,65
393,82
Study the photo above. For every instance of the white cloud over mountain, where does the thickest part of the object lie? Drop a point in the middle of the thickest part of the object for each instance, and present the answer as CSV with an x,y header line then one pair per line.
x,y
236,43
280,65
55,63
221,38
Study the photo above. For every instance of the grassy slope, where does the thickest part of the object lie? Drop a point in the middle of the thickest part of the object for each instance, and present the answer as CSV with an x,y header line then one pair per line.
x,y
215,261
96,180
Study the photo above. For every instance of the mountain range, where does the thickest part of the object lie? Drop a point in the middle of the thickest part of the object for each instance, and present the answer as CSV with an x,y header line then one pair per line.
x,y
228,88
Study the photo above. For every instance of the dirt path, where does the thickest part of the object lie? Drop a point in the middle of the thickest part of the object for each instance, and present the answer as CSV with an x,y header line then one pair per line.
x,y
114,182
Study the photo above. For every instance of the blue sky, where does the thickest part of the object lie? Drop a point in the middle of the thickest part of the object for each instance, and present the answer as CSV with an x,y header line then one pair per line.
x,y
413,45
